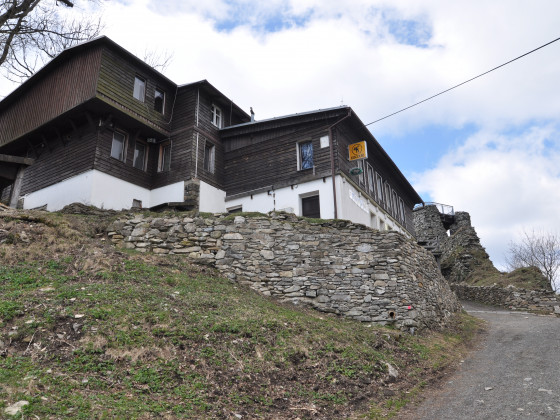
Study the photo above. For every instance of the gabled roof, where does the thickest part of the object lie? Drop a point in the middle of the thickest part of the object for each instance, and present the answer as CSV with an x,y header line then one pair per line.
x,y
208,87
68,52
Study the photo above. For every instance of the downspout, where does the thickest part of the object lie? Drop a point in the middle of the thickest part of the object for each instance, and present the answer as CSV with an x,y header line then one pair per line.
x,y
331,146
196,153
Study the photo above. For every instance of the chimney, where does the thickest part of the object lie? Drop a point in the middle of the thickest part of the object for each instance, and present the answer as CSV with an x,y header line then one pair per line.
x,y
252,115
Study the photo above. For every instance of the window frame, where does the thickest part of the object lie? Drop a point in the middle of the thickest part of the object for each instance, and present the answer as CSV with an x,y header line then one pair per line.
x,y
300,159
379,187
217,116
145,157
209,162
164,158
162,94
311,196
122,157
141,96
370,179
387,190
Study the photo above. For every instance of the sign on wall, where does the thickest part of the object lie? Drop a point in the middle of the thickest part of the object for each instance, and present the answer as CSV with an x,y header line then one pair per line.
x,y
357,151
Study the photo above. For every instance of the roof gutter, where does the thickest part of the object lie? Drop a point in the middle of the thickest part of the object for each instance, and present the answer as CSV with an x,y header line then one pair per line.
x,y
331,146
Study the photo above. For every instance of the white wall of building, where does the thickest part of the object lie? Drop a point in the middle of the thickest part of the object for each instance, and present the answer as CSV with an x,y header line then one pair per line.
x,y
357,207
288,199
75,189
101,190
212,199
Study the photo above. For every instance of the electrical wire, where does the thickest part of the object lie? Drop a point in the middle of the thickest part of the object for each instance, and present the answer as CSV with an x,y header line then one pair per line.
x,y
461,84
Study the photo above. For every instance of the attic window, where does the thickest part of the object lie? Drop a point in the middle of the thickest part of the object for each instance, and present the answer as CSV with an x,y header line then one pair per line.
x,y
139,88
216,116
159,100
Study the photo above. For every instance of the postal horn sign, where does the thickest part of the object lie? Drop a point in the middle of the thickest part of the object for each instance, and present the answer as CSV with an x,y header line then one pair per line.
x,y
357,151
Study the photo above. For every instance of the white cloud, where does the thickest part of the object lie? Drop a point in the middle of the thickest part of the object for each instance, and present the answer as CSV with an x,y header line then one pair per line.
x,y
508,183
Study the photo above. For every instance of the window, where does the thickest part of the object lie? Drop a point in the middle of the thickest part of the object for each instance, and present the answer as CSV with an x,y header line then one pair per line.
x,y
159,100
216,116
362,175
401,210
395,204
209,157
379,184
305,155
236,209
310,207
118,147
140,154
164,160
139,88
387,195
370,177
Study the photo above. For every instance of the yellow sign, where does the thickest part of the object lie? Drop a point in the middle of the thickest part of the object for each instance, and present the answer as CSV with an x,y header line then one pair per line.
x,y
357,151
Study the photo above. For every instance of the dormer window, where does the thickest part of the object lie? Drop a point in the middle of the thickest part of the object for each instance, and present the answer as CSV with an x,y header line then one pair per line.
x,y
159,100
216,116
139,88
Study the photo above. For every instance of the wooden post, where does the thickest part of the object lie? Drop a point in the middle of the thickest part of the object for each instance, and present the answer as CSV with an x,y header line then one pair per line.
x,y
16,187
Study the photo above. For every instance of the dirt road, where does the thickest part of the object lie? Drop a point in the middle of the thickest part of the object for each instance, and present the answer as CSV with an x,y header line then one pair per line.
x,y
515,374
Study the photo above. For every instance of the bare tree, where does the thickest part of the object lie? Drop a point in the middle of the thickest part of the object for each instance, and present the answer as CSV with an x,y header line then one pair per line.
x,y
538,249
34,31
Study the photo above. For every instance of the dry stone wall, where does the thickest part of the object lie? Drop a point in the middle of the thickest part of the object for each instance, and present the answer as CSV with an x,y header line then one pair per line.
x,y
510,297
333,266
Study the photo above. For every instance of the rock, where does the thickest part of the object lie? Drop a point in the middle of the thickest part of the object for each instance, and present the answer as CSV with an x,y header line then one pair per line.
x,y
15,408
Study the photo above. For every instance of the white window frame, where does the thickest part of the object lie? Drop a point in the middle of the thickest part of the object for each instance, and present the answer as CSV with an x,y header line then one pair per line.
x,y
124,142
362,175
217,116
139,91
299,157
387,190
164,157
379,187
370,180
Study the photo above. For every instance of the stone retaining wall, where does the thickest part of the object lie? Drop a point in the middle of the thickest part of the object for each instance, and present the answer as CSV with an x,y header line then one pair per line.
x,y
510,297
333,266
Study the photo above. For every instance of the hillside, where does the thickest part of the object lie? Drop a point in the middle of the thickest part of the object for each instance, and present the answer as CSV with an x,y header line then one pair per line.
x,y
89,331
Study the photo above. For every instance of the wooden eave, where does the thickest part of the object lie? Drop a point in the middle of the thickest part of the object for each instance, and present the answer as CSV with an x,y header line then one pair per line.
x,y
285,121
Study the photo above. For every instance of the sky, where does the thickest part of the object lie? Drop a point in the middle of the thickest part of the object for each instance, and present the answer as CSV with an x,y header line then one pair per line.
x,y
490,147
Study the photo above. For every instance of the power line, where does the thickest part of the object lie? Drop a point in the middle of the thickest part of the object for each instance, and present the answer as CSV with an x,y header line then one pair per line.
x,y
466,81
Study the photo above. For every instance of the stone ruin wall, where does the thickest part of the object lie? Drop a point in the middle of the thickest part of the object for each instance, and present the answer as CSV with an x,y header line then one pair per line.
x,y
333,266
462,254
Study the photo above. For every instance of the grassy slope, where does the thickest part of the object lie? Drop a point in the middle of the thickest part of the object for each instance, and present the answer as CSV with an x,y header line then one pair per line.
x,y
87,331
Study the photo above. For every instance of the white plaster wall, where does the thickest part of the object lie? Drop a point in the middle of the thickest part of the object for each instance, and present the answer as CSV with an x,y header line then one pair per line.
x,y
101,190
113,193
212,199
168,194
289,199
357,207
72,190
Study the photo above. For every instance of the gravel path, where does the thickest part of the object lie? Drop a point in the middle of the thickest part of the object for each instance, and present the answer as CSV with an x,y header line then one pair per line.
x,y
514,375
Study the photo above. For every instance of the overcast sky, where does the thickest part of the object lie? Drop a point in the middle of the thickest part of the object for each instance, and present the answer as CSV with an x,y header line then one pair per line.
x,y
491,147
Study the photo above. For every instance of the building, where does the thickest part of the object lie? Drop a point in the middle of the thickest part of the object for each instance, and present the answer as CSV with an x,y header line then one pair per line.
x,y
99,126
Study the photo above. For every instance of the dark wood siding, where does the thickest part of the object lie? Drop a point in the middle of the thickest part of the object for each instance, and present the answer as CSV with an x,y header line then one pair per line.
x,y
61,162
181,158
116,84
61,89
270,158
123,169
